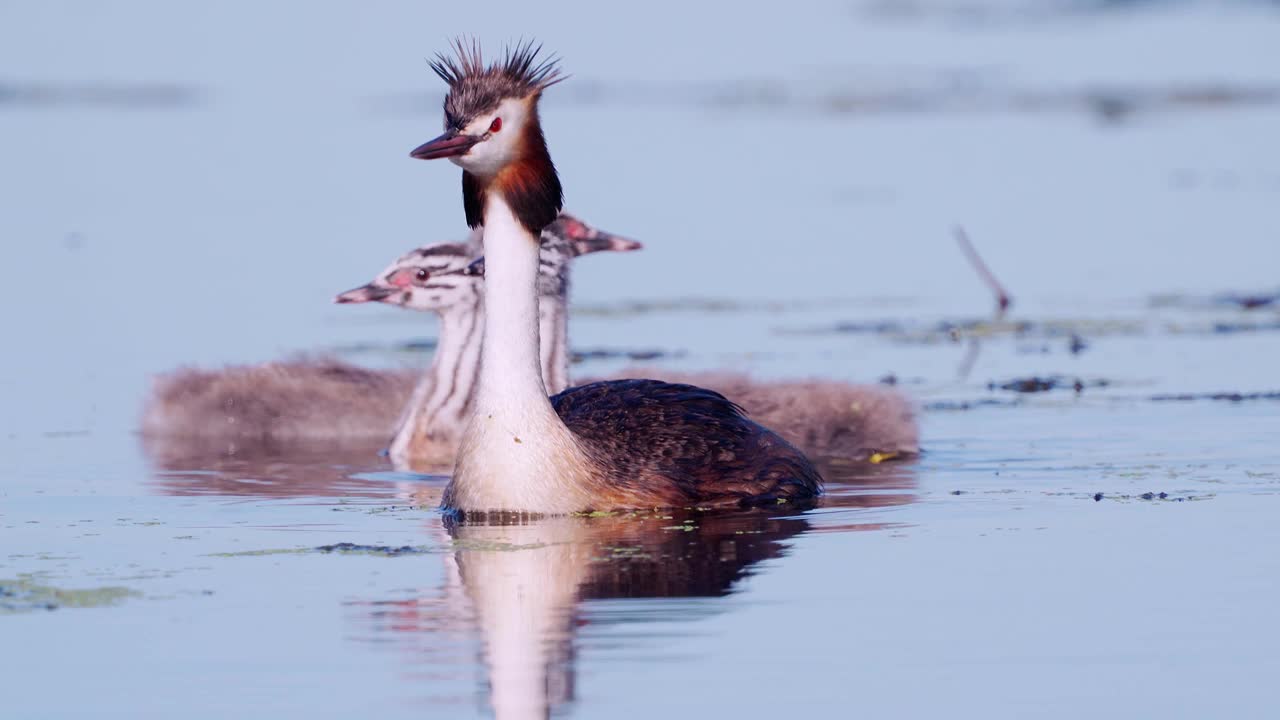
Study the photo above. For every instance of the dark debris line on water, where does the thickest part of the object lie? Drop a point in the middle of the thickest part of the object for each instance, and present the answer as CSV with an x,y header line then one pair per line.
x,y
1035,385
1099,497
346,548
1075,329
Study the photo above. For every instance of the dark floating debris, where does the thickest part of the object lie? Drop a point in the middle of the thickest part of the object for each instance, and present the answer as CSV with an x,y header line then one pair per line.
x,y
417,345
1246,301
1233,397
1034,335
1153,496
1035,384
1026,385
880,327
1249,302
1029,385
1073,331
1077,344
961,405
1227,328
581,356
347,548
424,345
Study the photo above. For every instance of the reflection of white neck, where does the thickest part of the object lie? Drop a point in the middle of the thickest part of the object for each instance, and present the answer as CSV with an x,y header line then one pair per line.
x,y
433,419
516,454
524,598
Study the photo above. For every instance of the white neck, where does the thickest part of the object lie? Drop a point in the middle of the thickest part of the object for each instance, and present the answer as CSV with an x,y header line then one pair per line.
x,y
435,415
510,366
516,454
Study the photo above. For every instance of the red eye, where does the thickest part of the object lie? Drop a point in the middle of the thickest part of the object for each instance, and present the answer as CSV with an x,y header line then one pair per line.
x,y
422,275
496,125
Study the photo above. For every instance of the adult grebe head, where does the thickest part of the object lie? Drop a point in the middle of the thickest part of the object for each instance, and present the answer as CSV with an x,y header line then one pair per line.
x,y
491,130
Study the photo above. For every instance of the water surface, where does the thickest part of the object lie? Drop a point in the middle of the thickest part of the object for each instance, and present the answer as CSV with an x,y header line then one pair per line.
x,y
190,185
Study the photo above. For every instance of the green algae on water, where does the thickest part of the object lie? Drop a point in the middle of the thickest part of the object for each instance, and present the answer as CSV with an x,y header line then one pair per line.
x,y
25,595
347,548
258,553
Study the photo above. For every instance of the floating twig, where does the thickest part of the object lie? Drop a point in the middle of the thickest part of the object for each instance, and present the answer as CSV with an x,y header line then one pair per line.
x,y
1003,299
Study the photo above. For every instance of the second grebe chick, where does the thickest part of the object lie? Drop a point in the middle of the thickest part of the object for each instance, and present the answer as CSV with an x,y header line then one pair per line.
x,y
612,444
443,279
246,408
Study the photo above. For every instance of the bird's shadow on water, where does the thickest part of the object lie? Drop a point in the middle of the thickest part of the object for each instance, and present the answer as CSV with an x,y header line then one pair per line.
x,y
519,588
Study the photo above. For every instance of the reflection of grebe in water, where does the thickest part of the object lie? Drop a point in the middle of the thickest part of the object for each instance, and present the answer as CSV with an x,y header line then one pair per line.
x,y
522,586
557,563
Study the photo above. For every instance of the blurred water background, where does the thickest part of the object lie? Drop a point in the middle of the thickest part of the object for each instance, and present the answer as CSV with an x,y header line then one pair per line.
x,y
190,183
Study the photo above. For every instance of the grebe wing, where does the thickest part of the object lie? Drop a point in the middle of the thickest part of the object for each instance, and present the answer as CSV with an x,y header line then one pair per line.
x,y
694,440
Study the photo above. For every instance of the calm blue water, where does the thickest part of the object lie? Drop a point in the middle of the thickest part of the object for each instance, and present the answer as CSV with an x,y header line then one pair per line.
x,y
191,184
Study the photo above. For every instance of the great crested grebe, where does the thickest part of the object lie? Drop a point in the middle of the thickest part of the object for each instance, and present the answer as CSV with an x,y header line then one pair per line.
x,y
241,407
611,444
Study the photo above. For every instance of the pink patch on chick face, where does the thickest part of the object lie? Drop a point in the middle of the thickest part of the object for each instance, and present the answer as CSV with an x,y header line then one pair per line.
x,y
401,278
574,229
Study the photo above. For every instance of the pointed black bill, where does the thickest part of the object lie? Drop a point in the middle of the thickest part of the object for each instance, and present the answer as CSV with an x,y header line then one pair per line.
x,y
449,144
365,293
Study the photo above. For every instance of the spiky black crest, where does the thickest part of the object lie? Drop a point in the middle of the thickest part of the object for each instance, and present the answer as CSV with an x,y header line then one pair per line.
x,y
475,88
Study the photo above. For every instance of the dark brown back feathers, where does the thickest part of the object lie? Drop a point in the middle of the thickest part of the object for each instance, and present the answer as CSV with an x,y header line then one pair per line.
x,y
670,445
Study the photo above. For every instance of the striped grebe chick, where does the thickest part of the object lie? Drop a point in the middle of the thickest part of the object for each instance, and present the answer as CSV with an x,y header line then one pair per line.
x,y
447,279
612,444
267,404
247,408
